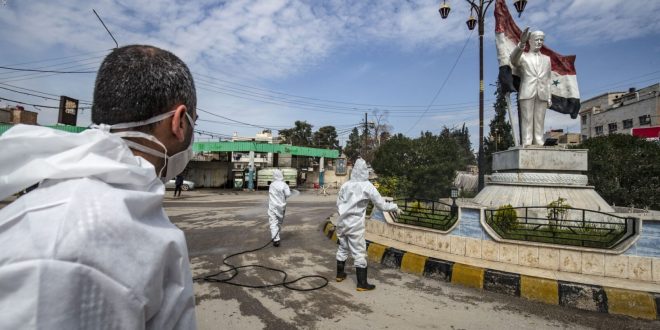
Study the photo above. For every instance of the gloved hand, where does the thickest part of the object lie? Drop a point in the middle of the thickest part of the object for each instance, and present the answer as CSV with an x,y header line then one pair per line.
x,y
398,211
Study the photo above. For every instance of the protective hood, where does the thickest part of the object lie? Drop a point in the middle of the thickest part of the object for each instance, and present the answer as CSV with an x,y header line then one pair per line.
x,y
277,175
31,154
360,171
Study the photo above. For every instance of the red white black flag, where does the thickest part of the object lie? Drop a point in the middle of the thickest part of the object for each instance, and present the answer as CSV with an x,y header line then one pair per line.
x,y
564,87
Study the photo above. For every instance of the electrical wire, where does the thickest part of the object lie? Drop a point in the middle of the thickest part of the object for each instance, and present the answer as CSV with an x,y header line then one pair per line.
x,y
348,130
59,58
630,80
240,122
36,91
38,105
443,83
28,77
34,75
230,123
43,71
213,278
269,99
212,134
30,94
58,66
315,99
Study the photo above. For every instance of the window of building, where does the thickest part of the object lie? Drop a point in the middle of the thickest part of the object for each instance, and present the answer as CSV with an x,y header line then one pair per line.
x,y
584,119
599,130
627,123
645,120
611,127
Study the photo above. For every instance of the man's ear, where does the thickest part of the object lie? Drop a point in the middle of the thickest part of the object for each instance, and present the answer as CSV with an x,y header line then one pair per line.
x,y
178,120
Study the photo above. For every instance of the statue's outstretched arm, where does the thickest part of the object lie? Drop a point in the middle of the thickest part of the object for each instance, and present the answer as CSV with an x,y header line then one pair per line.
x,y
517,52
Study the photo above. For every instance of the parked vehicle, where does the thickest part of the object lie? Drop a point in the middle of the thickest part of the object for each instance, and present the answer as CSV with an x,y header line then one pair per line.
x,y
187,185
265,176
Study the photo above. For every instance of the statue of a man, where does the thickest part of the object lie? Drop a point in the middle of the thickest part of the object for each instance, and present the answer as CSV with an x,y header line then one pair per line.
x,y
534,96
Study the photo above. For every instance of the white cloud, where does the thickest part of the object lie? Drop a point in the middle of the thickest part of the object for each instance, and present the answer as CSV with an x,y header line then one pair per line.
x,y
596,21
264,41
271,39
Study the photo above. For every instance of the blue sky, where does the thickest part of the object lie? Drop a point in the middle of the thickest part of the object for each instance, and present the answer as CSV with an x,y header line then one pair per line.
x,y
269,63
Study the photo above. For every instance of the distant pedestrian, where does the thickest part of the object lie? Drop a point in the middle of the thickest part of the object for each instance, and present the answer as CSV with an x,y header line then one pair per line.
x,y
278,192
178,184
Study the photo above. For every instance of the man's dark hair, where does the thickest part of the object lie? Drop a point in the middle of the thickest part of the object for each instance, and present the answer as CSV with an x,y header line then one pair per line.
x,y
138,82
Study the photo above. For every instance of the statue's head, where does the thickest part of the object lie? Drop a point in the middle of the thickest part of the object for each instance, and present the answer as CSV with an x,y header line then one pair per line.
x,y
536,39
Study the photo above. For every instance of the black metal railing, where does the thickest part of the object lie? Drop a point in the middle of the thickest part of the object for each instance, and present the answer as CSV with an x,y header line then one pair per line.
x,y
425,213
562,226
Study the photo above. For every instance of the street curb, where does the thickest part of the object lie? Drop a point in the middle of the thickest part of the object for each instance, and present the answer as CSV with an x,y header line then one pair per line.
x,y
637,304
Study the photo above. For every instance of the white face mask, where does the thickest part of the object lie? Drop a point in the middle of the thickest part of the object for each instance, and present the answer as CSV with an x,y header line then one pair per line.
x,y
174,164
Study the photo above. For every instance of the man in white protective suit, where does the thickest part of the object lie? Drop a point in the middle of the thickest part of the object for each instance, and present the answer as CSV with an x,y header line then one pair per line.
x,y
278,192
354,196
92,247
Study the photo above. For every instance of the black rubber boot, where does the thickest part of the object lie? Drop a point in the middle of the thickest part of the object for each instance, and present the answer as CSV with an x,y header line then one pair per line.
x,y
341,275
362,284
276,243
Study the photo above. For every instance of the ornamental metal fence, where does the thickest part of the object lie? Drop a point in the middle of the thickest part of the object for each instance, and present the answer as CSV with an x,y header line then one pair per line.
x,y
425,213
562,226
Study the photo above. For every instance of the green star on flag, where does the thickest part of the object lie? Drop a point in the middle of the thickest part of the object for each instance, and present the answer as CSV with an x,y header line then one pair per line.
x,y
555,82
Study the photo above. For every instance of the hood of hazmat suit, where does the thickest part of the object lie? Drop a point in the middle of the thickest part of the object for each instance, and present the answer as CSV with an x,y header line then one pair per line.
x,y
278,192
353,198
277,175
92,246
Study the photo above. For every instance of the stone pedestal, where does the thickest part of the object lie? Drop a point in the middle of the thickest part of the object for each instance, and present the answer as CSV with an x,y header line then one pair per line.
x,y
536,176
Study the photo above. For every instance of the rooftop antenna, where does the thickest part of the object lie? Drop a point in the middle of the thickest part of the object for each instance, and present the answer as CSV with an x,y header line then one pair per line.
x,y
106,28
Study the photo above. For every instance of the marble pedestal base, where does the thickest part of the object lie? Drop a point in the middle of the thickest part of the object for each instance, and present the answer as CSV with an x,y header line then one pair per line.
x,y
539,175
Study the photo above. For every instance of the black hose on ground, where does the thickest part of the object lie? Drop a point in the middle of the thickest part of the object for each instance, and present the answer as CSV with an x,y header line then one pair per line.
x,y
214,278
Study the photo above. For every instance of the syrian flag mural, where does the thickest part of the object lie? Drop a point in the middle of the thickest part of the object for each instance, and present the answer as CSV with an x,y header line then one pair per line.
x,y
564,87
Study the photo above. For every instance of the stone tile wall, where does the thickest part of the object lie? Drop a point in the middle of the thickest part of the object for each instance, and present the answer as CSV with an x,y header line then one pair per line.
x,y
470,240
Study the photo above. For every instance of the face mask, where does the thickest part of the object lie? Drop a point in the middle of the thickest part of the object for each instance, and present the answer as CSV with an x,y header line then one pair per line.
x,y
174,164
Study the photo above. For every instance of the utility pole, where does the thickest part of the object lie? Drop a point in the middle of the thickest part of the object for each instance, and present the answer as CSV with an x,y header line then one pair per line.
x,y
480,7
366,137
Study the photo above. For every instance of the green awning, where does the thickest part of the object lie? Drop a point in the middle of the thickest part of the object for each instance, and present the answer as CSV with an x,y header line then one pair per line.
x,y
66,128
242,146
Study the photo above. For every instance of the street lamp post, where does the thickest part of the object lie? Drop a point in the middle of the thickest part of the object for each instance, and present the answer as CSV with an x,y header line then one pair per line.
x,y
480,7
454,195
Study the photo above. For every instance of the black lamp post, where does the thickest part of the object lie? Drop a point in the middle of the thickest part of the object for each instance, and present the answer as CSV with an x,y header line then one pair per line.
x,y
471,21
444,9
454,195
480,7
520,6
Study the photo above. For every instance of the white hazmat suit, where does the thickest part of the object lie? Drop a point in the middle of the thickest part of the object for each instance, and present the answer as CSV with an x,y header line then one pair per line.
x,y
354,196
278,192
91,247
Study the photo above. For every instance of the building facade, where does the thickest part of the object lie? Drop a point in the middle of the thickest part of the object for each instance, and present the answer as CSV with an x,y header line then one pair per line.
x,y
620,112
241,160
561,138
18,115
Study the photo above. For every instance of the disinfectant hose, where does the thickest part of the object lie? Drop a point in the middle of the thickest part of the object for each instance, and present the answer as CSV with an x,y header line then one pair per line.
x,y
220,277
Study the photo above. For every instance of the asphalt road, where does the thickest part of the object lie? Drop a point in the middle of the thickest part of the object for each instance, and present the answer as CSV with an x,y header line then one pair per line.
x,y
219,223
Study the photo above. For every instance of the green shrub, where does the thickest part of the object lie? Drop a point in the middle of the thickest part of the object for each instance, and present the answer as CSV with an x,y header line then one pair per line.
x,y
557,213
415,206
506,217
393,186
